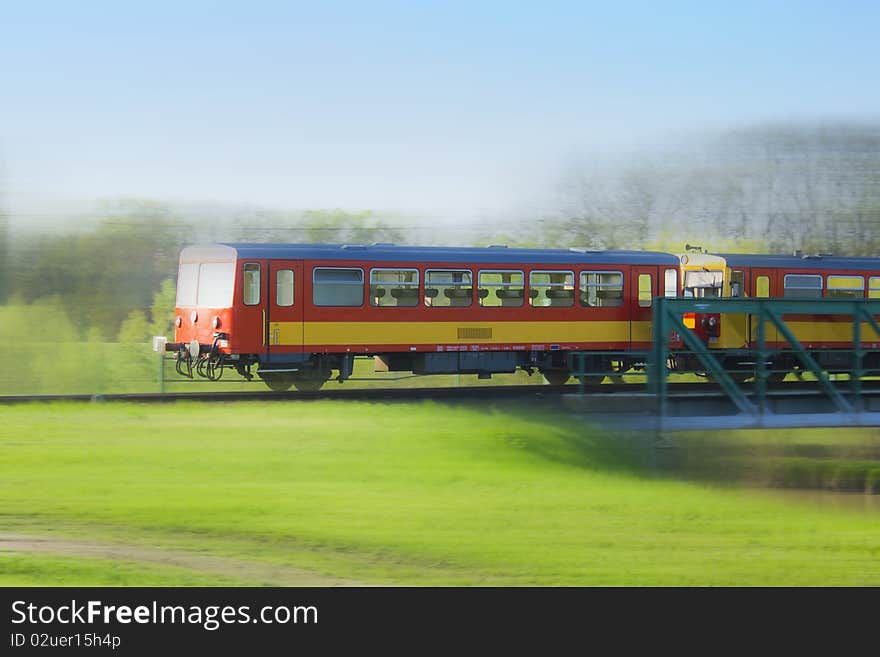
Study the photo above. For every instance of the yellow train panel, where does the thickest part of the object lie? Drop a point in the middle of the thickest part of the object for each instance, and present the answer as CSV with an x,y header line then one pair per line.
x,y
285,333
735,336
812,332
381,333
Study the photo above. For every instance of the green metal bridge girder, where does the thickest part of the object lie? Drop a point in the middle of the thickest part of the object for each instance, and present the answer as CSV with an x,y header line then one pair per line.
x,y
667,317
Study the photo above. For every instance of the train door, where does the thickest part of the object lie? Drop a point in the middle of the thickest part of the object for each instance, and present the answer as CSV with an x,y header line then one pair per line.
x,y
763,286
285,309
735,328
644,285
249,332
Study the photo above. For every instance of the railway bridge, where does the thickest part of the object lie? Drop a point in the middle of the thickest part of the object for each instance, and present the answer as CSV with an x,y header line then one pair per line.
x,y
745,399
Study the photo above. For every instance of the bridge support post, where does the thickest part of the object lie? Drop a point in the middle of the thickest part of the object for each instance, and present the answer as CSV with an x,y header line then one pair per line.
x,y
858,355
761,364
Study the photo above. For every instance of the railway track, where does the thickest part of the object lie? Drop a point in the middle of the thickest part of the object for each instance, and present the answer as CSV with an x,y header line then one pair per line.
x,y
627,390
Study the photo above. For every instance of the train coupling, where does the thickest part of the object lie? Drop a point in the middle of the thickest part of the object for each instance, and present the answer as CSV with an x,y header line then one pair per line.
x,y
194,349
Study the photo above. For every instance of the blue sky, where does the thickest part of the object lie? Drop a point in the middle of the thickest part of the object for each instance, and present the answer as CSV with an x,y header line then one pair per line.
x,y
424,106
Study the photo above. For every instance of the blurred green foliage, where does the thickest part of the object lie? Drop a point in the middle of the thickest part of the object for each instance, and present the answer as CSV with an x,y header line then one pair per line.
x,y
101,276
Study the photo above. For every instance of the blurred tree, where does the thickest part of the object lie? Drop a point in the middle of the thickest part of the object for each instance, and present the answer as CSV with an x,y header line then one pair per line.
x,y
162,310
315,226
814,187
104,275
339,226
135,329
5,292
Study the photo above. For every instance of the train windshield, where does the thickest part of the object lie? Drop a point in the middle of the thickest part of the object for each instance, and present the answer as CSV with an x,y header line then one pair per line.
x,y
206,284
703,284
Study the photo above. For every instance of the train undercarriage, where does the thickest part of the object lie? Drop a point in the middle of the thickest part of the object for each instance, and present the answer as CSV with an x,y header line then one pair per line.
x,y
742,365
309,372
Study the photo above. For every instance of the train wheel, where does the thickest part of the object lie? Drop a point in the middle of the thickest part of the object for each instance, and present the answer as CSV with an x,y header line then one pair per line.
x,y
556,377
311,382
277,382
592,379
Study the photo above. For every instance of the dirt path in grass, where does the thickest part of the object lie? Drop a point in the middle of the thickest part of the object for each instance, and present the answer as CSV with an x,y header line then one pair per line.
x,y
250,572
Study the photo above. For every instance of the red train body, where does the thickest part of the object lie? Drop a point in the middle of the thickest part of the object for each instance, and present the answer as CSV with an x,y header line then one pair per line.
x,y
299,312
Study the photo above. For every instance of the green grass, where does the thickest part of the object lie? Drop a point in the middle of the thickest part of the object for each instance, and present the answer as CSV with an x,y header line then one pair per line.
x,y
37,570
410,494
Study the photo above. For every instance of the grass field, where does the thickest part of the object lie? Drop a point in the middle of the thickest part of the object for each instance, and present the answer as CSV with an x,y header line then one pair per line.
x,y
327,493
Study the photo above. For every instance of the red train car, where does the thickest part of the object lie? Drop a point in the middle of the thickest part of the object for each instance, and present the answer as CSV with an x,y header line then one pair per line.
x,y
804,277
299,312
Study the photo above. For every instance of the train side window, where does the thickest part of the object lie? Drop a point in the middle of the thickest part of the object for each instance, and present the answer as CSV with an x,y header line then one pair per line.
x,y
874,287
284,287
762,287
251,284
645,285
802,286
338,286
449,288
390,288
551,289
846,287
501,288
737,284
670,283
601,289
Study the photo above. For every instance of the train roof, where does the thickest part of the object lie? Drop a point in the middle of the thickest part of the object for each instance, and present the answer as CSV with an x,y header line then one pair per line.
x,y
464,255
800,262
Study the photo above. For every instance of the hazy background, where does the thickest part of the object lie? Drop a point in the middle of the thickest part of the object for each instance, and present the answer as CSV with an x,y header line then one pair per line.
x,y
128,130
466,110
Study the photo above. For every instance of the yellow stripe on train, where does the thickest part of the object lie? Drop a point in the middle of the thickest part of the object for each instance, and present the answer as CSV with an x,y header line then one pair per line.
x,y
830,332
735,332
367,333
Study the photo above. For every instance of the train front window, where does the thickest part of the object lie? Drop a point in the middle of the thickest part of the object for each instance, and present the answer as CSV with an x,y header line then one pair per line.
x,y
705,284
215,284
187,284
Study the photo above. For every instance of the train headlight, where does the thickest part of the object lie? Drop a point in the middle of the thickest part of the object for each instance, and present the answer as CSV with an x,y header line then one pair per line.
x,y
712,321
215,323
193,316
177,321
